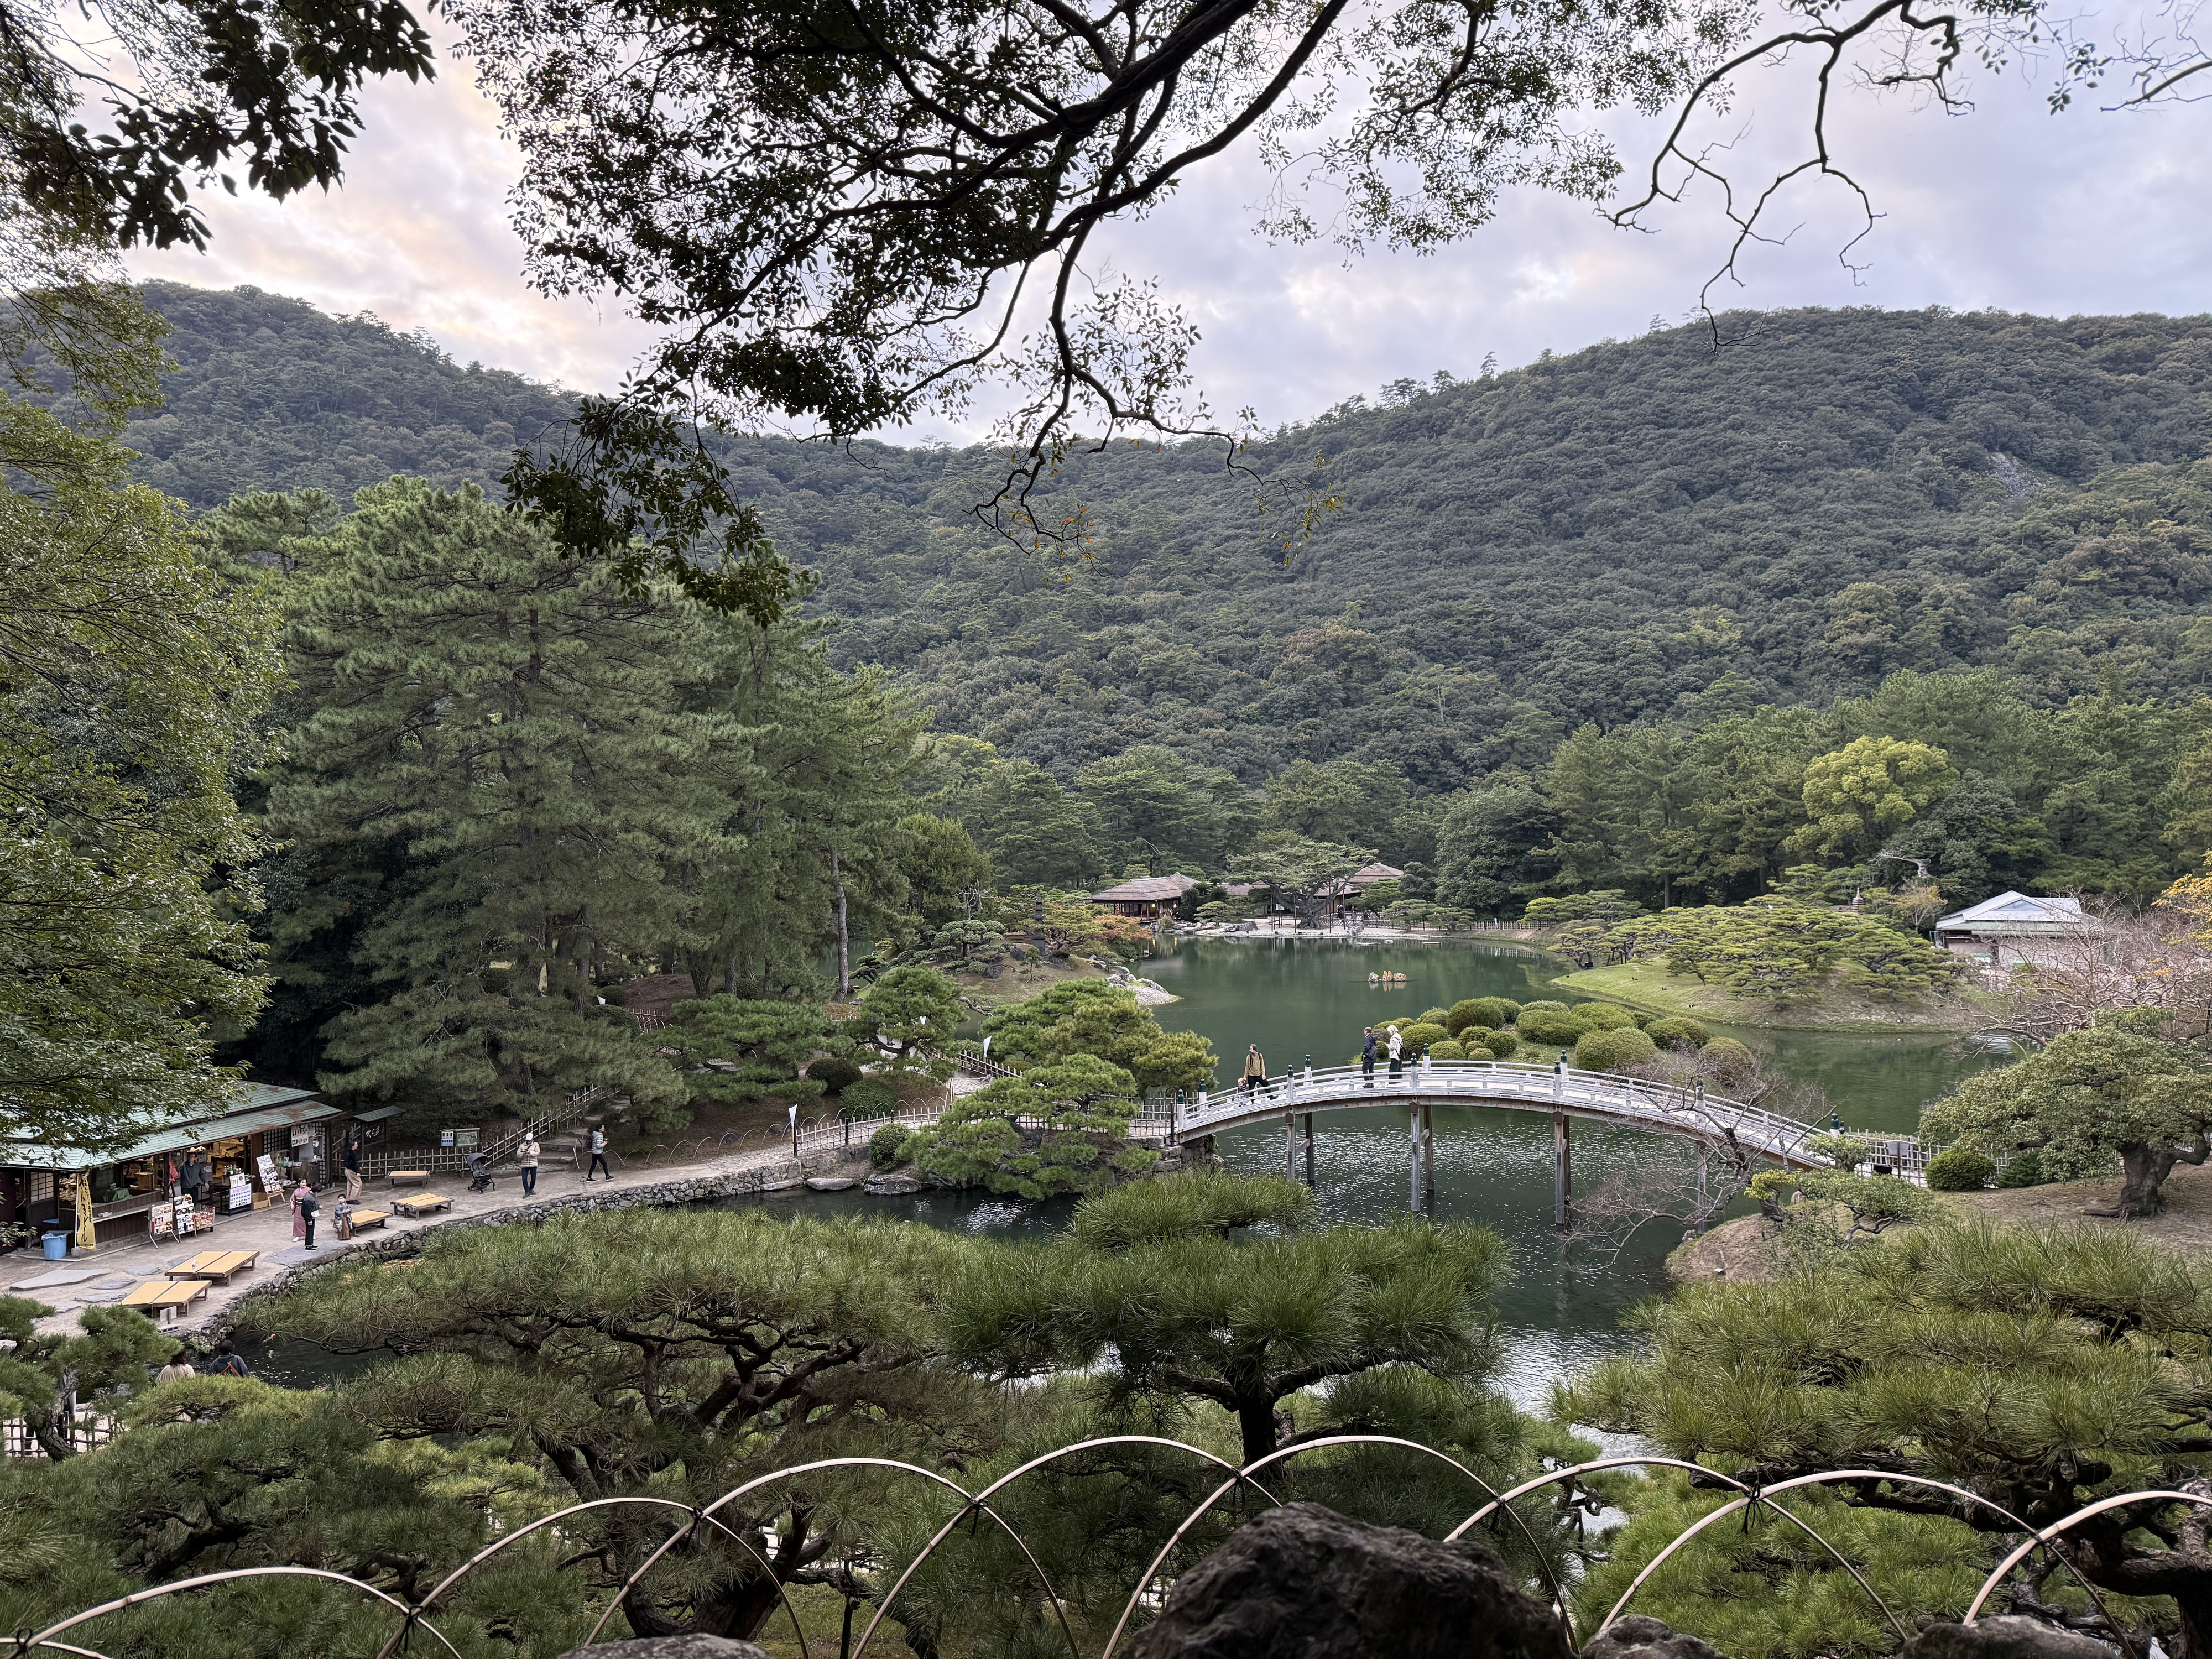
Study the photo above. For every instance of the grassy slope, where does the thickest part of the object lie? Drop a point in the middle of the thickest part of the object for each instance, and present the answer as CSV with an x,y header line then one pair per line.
x,y
2184,1226
1650,987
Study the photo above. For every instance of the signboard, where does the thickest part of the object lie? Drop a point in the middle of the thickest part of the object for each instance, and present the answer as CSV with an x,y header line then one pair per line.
x,y
445,1138
184,1209
465,1138
267,1165
241,1191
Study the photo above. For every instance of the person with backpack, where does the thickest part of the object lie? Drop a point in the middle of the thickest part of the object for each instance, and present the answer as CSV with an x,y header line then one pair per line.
x,y
226,1362
598,1153
1367,1056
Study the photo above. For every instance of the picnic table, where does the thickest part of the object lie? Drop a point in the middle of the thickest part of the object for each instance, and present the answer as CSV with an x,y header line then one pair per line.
x,y
420,1204
166,1298
408,1177
216,1264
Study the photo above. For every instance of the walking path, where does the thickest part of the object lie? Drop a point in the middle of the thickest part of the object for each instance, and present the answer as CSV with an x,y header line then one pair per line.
x,y
115,1271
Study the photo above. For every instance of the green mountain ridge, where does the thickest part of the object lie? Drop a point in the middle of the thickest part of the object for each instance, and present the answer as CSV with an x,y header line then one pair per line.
x,y
1597,537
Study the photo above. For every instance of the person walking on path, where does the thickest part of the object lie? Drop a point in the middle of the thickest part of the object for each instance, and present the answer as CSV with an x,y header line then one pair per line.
x,y
1256,1069
526,1160
1367,1056
179,1368
226,1362
598,1154
1397,1054
351,1160
304,1210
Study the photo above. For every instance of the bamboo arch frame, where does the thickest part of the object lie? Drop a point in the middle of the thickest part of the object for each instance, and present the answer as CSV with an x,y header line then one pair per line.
x,y
418,1613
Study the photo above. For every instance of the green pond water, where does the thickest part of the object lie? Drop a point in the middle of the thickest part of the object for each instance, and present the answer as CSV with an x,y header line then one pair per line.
x,y
1561,1312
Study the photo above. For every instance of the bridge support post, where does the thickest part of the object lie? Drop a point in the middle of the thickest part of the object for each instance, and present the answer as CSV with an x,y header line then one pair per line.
x,y
1309,1151
1562,1169
1290,1146
1413,1159
1428,1157
1705,1158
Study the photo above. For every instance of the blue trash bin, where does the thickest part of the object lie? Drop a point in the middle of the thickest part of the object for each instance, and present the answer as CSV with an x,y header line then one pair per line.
x,y
57,1247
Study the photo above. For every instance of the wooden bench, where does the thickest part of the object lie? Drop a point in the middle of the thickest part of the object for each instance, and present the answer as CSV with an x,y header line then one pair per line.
x,y
408,1177
361,1219
422,1204
216,1264
165,1298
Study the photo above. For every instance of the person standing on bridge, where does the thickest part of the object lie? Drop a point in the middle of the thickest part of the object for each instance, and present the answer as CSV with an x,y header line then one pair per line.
x,y
1367,1056
1397,1054
1256,1069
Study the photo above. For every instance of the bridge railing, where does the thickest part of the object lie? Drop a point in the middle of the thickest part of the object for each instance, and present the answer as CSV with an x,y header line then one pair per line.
x,y
1618,1095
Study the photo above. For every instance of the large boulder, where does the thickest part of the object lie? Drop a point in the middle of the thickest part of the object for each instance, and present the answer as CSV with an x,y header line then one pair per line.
x,y
669,1647
1638,1637
1303,1582
2008,1637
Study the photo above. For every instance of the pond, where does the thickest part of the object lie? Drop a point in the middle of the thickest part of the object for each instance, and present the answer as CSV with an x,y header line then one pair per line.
x,y
1296,998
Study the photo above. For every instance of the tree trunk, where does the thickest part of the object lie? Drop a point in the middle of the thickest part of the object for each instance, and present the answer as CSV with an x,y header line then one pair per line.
x,y
2139,1179
2143,1170
1255,1418
844,941
2194,1640
54,1428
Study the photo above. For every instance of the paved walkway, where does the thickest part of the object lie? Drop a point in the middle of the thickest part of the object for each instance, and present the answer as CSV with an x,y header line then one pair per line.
x,y
114,1271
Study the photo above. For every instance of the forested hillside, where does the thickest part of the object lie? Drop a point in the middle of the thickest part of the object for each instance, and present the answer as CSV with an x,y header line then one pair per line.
x,y
1593,538
1705,569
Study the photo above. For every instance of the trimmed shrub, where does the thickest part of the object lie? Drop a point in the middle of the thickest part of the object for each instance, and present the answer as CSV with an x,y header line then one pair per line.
x,y
869,1096
1435,1017
1419,1036
1620,1049
1549,1027
1603,1017
1962,1170
1675,1030
1495,1012
2022,1170
887,1147
1501,1044
1447,1050
835,1074
1732,1061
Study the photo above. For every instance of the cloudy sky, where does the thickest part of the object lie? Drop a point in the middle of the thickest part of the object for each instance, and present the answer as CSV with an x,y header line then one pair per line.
x,y
2009,207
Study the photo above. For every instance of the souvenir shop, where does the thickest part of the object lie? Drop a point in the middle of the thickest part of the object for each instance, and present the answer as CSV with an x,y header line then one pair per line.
x,y
176,1182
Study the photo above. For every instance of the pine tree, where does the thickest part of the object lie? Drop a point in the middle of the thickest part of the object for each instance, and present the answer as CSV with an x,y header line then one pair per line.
x,y
511,722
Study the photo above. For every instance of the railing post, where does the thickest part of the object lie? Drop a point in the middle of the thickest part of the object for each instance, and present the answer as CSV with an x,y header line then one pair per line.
x,y
1428,1157
1562,1174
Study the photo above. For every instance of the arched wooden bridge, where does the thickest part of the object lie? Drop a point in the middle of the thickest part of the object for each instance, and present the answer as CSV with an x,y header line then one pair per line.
x,y
1708,1121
